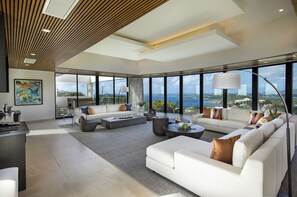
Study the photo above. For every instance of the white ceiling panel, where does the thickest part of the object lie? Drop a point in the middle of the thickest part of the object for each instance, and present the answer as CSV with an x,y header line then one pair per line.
x,y
117,46
178,17
208,42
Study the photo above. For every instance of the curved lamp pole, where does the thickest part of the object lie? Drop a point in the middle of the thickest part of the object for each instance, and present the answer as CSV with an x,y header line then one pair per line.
x,y
233,81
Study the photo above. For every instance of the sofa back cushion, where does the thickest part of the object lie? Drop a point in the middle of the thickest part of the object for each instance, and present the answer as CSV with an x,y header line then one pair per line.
x,y
277,123
98,109
267,130
225,114
113,108
238,114
246,146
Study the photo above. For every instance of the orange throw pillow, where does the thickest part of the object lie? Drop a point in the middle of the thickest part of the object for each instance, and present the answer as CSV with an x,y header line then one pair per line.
x,y
91,111
206,112
123,108
223,149
217,114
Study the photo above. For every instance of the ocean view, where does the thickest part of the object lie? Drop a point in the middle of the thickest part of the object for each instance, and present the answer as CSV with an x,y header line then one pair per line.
x,y
189,100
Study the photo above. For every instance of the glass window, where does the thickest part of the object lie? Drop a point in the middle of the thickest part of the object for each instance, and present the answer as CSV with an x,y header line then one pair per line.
x,y
66,94
86,92
158,94
294,99
266,94
191,94
146,93
105,90
120,90
212,97
241,98
173,94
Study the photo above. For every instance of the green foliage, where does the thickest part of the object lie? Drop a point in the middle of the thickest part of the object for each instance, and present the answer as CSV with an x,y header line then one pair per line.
x,y
158,105
172,107
62,93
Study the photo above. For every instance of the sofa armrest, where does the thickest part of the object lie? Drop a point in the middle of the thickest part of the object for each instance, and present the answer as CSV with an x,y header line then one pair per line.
x,y
9,182
196,116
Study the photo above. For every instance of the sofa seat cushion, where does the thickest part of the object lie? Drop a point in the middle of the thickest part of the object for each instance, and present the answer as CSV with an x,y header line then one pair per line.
x,y
163,152
98,109
238,114
246,146
113,108
208,121
232,124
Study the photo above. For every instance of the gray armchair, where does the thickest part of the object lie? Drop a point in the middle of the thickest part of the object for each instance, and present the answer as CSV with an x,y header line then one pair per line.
x,y
86,126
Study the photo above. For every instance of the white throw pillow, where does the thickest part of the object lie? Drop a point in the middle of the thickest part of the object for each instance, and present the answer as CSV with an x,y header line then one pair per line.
x,y
246,146
277,123
267,130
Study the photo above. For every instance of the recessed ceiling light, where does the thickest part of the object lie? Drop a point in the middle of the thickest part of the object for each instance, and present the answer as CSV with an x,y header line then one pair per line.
x,y
46,30
265,62
33,54
281,10
27,65
29,61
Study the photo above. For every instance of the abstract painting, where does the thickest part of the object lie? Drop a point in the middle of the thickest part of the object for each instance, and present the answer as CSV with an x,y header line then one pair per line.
x,y
28,92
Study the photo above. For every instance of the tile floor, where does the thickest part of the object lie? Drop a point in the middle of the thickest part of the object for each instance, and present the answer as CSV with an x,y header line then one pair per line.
x,y
59,165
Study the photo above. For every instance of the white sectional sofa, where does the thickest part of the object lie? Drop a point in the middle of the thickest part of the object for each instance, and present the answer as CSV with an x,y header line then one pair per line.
x,y
101,111
259,162
9,182
233,119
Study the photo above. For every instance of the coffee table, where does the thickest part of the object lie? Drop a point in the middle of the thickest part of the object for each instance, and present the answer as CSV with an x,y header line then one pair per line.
x,y
118,122
172,130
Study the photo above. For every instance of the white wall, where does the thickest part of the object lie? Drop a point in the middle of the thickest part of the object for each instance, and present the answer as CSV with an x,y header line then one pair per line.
x,y
32,112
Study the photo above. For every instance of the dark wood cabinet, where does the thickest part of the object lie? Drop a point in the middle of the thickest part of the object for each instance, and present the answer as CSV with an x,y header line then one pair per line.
x,y
3,59
13,152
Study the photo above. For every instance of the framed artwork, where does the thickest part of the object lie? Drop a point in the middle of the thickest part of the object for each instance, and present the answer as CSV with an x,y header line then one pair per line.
x,y
28,92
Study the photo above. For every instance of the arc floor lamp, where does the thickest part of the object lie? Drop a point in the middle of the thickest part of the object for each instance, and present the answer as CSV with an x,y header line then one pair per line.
x,y
233,81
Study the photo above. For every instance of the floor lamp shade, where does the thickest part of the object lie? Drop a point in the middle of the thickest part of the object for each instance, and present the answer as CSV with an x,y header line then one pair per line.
x,y
226,81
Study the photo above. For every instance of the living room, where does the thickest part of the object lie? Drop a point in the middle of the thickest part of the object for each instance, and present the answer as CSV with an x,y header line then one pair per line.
x,y
138,56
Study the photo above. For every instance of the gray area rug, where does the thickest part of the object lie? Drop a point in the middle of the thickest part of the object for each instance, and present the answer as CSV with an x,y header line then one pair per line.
x,y
126,149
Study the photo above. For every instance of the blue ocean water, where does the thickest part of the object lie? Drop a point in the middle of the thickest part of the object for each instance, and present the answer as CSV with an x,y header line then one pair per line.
x,y
188,101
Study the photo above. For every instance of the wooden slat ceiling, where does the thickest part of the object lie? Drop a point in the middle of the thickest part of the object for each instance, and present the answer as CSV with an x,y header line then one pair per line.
x,y
89,22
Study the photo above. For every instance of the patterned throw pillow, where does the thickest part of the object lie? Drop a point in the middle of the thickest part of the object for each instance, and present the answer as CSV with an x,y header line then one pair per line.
x,y
217,113
223,149
255,117
206,112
